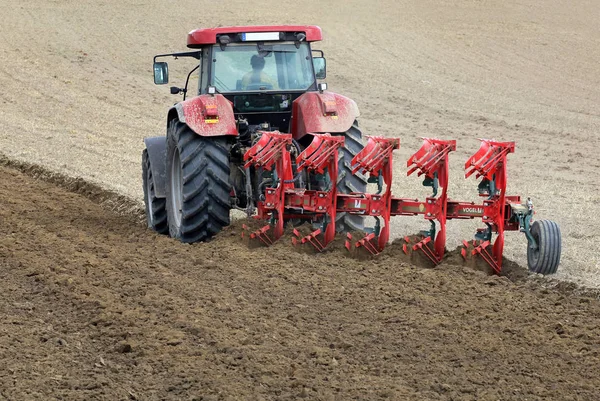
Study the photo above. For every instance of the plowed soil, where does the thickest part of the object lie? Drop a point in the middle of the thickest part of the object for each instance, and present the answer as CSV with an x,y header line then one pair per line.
x,y
95,306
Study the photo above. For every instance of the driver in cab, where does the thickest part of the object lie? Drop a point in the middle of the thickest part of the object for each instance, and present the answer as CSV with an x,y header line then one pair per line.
x,y
257,79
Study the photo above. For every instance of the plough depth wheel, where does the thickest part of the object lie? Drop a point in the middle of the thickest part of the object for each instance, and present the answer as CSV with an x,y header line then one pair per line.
x,y
544,256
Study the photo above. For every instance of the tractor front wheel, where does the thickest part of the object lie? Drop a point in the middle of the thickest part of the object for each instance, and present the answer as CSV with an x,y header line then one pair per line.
x,y
198,189
156,212
545,258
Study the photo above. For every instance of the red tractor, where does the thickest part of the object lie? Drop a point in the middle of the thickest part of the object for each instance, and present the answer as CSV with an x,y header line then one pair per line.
x,y
252,80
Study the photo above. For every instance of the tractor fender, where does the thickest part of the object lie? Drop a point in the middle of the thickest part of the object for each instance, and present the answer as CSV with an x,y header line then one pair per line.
x,y
206,115
316,112
157,153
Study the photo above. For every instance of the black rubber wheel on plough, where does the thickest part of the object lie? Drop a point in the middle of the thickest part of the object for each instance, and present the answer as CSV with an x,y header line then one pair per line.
x,y
198,189
156,212
348,182
546,257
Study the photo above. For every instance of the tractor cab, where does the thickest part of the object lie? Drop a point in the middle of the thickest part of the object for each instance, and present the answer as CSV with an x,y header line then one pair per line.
x,y
260,70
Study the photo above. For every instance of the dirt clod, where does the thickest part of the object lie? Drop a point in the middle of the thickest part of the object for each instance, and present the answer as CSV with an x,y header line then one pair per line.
x,y
124,348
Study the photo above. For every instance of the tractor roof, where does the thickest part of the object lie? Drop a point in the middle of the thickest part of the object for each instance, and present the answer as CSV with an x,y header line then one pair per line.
x,y
209,36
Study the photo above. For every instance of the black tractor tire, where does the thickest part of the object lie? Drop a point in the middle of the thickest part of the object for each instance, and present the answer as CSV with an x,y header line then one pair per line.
x,y
198,188
546,257
156,212
348,182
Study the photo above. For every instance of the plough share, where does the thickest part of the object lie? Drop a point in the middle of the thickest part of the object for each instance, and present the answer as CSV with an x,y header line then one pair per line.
x,y
498,211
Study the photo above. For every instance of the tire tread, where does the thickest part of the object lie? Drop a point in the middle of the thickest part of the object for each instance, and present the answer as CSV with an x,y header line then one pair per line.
x,y
206,188
348,182
154,205
548,237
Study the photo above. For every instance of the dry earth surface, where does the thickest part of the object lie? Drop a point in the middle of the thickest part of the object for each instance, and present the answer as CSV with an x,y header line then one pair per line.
x,y
80,284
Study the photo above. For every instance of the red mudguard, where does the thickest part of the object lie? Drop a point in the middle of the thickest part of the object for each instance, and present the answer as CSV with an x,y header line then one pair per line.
x,y
207,115
315,112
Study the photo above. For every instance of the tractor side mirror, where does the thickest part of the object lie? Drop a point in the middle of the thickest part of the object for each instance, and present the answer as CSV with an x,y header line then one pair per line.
x,y
161,73
320,67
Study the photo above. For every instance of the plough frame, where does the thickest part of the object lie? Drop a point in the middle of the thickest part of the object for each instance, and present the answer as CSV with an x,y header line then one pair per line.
x,y
498,211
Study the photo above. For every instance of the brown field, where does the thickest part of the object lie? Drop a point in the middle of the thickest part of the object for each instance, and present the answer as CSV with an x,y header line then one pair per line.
x,y
82,283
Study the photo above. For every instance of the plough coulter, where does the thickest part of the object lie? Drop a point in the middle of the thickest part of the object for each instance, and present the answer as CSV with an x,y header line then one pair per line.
x,y
499,212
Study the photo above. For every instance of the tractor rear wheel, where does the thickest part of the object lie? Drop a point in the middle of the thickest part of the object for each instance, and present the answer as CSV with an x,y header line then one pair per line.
x,y
198,189
348,182
156,213
546,257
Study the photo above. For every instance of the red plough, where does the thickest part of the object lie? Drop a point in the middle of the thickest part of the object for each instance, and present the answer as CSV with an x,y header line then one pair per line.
x,y
431,161
320,157
489,165
272,151
375,159
499,212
